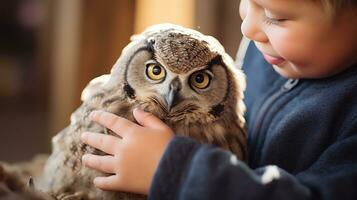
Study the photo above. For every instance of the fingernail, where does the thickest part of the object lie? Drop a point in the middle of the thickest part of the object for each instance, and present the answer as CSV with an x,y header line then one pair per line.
x,y
92,114
137,110
84,136
84,158
95,181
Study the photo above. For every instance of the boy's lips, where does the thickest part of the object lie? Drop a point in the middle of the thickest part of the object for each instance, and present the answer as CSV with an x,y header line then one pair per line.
x,y
273,60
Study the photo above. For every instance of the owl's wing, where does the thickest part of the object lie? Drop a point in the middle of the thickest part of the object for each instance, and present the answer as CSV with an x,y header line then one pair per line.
x,y
14,186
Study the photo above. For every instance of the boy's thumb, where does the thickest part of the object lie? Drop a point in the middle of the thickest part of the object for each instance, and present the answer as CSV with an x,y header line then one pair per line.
x,y
147,119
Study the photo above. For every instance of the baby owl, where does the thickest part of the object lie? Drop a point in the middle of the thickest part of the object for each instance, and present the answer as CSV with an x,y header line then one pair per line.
x,y
180,75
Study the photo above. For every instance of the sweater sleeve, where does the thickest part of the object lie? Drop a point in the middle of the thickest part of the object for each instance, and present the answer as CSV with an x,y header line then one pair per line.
x,y
189,170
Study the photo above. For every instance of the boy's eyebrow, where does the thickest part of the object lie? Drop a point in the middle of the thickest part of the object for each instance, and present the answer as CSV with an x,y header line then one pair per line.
x,y
270,4
278,6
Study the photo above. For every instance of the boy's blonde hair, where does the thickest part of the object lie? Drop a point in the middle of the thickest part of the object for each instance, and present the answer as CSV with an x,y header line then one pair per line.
x,y
334,6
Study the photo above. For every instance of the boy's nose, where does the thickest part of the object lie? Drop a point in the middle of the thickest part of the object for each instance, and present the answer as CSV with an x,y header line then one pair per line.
x,y
251,25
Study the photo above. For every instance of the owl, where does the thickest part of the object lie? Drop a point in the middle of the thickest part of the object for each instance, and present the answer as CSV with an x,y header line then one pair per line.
x,y
180,75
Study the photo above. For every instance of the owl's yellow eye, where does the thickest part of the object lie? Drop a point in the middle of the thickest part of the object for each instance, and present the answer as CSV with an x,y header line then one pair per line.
x,y
155,72
200,80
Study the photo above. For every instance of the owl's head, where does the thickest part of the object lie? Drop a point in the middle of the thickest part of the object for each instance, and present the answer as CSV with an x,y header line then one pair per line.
x,y
179,75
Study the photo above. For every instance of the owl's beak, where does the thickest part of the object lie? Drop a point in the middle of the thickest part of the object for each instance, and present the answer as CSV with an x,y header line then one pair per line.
x,y
172,97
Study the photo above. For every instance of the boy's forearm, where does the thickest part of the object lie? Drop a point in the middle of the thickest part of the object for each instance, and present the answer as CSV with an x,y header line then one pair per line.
x,y
190,170
170,173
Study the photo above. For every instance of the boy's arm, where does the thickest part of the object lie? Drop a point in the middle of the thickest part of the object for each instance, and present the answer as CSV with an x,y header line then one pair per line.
x,y
189,170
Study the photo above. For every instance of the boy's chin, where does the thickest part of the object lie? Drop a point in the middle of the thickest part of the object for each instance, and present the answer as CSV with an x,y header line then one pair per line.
x,y
287,71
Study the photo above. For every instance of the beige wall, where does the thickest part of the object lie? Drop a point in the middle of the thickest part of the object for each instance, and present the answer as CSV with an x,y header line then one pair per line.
x,y
221,20
160,11
64,73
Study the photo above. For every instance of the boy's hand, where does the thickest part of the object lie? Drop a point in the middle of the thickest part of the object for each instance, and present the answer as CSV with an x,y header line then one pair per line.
x,y
133,159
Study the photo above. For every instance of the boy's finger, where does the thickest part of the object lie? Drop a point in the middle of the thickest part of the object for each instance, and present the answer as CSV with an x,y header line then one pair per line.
x,y
117,124
106,183
147,119
105,143
101,163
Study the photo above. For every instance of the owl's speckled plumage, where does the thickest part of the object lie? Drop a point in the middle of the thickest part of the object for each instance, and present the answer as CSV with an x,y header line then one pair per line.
x,y
211,115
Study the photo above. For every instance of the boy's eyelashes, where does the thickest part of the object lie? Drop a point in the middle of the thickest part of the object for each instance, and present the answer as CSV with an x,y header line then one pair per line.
x,y
273,21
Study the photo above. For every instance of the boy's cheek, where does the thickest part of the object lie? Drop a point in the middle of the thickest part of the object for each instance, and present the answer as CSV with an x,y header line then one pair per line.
x,y
293,50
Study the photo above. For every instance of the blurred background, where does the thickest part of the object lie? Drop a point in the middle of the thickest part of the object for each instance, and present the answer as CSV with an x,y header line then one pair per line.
x,y
50,49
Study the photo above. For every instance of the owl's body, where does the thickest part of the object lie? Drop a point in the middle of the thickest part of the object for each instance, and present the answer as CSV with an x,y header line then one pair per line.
x,y
179,75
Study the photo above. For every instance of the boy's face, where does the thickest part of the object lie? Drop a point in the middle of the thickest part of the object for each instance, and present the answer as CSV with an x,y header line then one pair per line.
x,y
299,38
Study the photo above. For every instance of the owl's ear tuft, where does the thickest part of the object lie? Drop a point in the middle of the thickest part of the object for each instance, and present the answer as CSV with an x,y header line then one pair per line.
x,y
217,60
151,42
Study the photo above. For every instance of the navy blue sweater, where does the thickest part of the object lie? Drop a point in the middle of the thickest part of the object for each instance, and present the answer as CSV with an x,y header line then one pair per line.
x,y
302,143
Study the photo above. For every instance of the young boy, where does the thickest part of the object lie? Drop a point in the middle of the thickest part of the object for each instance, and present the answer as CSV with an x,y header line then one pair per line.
x,y
301,70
